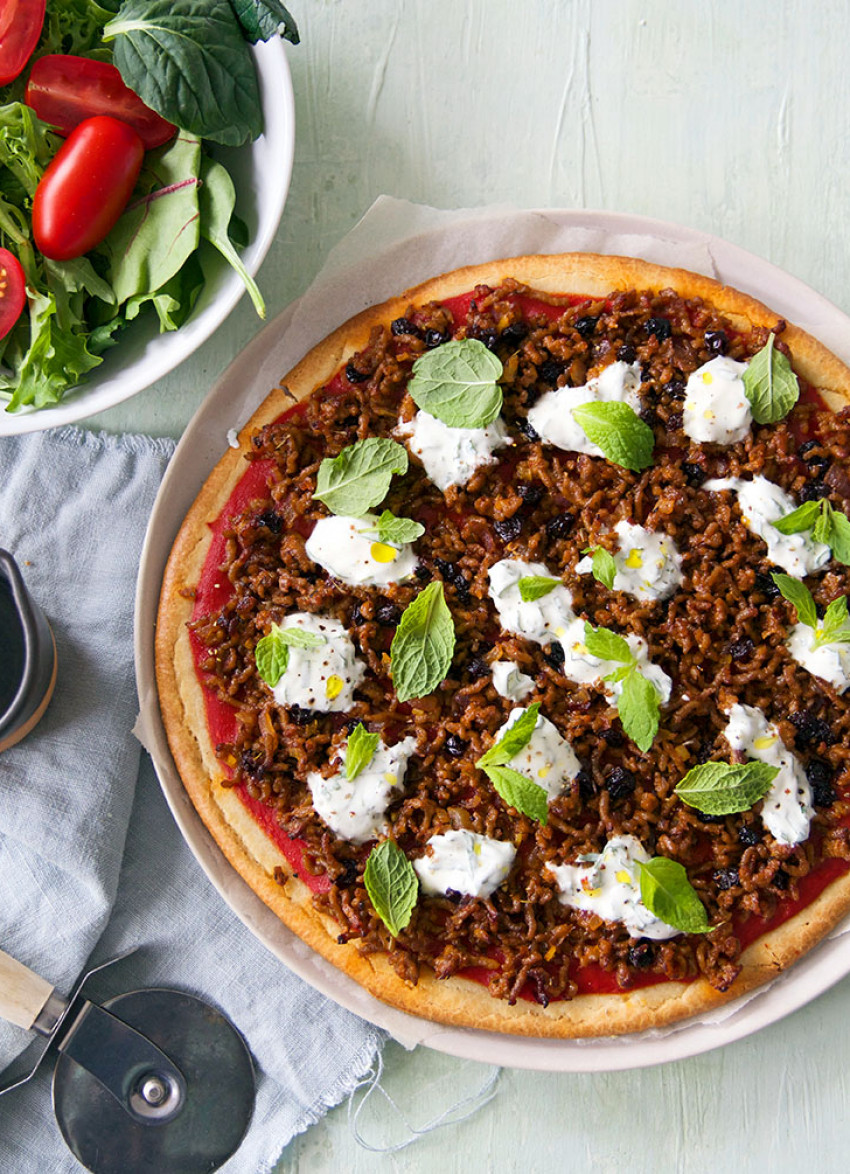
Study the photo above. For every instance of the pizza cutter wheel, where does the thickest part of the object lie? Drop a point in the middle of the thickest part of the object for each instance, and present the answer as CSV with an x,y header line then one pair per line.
x,y
151,1082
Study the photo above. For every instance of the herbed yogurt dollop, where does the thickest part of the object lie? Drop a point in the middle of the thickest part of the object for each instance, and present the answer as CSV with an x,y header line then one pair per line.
x,y
348,548
716,409
355,809
829,662
322,678
464,862
607,884
547,758
648,563
451,455
787,807
509,682
552,416
762,503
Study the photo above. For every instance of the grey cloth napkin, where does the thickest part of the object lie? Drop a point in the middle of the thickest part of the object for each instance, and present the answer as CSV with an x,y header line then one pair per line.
x,y
90,858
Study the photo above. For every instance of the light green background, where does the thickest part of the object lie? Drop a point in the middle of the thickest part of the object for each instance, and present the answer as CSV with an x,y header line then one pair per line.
x,y
729,116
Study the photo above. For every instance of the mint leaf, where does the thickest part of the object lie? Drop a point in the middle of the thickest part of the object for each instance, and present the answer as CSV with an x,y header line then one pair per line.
x,y
456,382
607,645
666,891
392,886
798,594
802,518
723,788
272,651
770,385
395,530
423,644
533,587
360,476
518,791
359,750
638,706
834,629
616,429
513,740
839,535
603,566
827,524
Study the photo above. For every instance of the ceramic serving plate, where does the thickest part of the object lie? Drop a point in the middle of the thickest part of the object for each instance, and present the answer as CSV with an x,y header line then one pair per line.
x,y
243,386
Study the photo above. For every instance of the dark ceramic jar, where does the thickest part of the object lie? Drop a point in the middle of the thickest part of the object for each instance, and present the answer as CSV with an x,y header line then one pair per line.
x,y
27,656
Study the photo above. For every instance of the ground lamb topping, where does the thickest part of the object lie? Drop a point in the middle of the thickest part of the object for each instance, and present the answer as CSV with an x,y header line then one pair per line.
x,y
720,636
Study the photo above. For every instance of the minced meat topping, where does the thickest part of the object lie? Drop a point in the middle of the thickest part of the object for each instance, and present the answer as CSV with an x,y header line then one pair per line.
x,y
720,636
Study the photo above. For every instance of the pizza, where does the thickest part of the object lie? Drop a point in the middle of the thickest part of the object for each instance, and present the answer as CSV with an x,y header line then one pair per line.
x,y
507,658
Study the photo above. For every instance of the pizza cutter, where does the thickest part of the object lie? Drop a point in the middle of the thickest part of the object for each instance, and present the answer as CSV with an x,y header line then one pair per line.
x,y
151,1082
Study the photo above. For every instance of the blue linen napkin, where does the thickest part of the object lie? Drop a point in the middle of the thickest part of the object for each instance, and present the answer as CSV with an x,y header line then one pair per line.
x,y
89,854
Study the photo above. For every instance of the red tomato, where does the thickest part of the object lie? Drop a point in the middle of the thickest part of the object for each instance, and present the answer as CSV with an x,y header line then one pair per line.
x,y
86,187
13,294
63,90
20,28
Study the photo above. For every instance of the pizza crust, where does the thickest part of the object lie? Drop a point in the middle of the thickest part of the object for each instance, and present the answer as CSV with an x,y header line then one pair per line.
x,y
456,1001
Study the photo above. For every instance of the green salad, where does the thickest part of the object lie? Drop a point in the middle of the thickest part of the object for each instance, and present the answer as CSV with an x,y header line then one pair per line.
x,y
190,61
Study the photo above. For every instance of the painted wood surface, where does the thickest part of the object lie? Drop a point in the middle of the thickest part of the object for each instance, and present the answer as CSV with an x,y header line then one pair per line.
x,y
729,117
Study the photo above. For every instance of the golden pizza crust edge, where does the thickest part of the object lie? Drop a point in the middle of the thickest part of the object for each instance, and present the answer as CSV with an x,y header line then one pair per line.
x,y
456,1001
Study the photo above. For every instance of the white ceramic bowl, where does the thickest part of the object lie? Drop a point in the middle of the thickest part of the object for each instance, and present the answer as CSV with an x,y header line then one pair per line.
x,y
261,173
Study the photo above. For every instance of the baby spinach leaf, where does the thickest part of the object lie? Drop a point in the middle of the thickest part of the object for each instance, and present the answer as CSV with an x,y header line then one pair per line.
x,y
217,200
188,60
263,19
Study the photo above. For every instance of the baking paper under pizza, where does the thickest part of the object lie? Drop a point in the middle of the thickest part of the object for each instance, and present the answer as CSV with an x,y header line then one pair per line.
x,y
508,658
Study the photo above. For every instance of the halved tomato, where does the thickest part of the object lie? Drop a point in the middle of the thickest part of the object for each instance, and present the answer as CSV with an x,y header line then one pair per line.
x,y
20,27
13,293
64,90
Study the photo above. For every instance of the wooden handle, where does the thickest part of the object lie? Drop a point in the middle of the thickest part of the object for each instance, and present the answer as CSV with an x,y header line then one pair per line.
x,y
22,992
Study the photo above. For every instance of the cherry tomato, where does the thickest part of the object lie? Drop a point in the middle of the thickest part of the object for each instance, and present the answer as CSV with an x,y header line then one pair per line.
x,y
13,293
63,90
20,28
86,187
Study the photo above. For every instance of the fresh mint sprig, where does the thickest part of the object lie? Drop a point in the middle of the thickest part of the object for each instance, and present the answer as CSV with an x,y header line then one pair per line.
x,y
770,385
272,651
835,626
390,880
395,531
616,429
827,524
359,750
532,587
423,645
603,567
666,891
724,788
517,789
638,702
457,383
359,477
